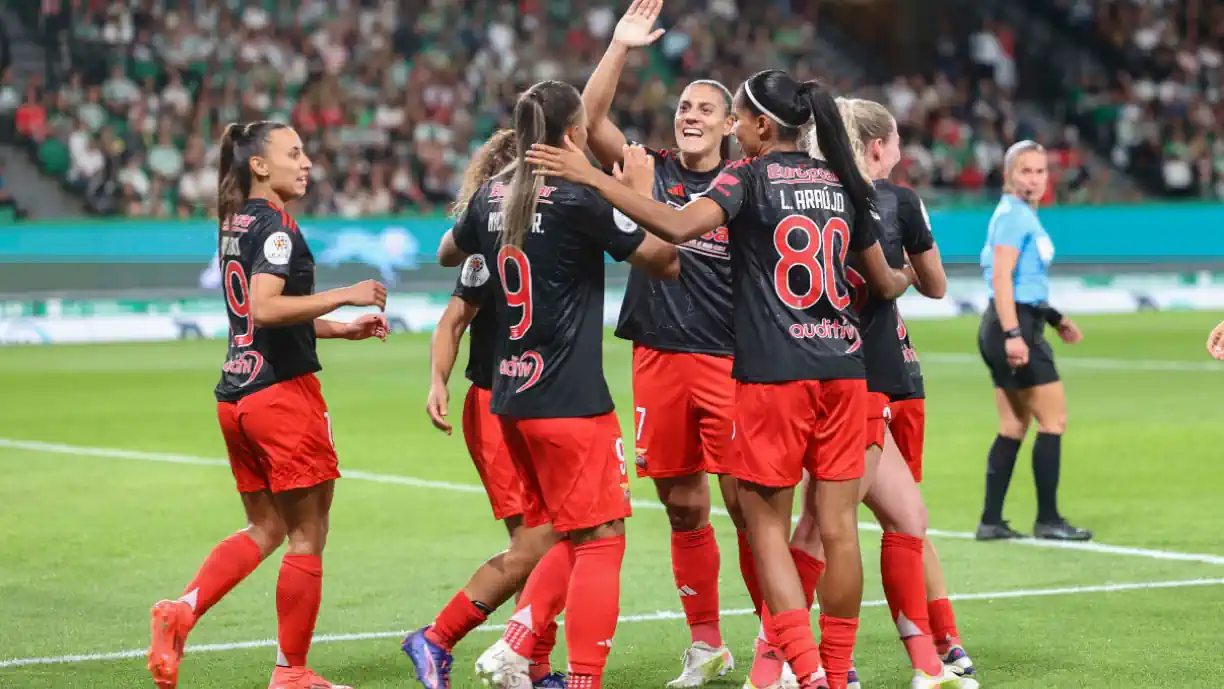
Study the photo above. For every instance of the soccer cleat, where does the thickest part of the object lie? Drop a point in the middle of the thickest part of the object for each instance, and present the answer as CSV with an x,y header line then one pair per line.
x,y
852,680
170,622
300,678
946,680
702,663
767,667
433,663
959,662
553,680
500,667
996,532
1060,530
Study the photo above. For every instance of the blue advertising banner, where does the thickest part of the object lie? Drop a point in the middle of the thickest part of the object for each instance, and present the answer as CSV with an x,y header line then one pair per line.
x,y
1149,233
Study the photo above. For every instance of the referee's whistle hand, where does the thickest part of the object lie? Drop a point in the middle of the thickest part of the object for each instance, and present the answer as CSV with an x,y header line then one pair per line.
x,y
1017,352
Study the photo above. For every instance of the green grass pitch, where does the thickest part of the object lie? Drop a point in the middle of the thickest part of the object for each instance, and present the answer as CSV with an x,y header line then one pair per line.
x,y
92,531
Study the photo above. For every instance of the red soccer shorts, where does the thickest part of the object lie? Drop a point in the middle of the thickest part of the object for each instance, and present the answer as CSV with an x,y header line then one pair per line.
x,y
483,434
279,438
877,418
908,428
784,428
684,405
573,470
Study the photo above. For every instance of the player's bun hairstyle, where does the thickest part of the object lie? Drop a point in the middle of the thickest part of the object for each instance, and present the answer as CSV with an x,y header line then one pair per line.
x,y
866,121
234,176
541,116
724,147
493,156
791,105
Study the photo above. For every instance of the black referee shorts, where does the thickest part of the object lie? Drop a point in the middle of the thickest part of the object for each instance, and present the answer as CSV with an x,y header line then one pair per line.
x,y
991,344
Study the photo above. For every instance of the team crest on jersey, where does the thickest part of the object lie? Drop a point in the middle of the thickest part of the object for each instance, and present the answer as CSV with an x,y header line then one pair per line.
x,y
277,248
475,271
623,222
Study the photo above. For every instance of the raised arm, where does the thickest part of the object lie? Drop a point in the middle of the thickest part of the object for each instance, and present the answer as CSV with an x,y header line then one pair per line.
x,y
635,29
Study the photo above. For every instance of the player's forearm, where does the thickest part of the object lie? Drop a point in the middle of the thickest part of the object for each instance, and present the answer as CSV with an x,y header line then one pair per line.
x,y
443,351
328,330
1005,301
280,310
667,223
931,280
606,140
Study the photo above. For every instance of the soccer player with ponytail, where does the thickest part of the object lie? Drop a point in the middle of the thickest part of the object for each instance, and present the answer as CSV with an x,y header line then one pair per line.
x,y
547,239
801,394
269,402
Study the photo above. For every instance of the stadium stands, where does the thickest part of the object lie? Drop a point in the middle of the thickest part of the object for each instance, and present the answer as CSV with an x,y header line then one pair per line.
x,y
391,97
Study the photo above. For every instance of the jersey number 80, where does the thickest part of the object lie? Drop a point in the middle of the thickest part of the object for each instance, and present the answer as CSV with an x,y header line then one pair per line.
x,y
815,256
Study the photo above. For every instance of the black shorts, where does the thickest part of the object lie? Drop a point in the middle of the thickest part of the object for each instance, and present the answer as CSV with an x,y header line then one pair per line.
x,y
992,345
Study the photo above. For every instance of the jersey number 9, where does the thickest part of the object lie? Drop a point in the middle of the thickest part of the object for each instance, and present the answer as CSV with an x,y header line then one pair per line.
x,y
816,257
238,300
521,297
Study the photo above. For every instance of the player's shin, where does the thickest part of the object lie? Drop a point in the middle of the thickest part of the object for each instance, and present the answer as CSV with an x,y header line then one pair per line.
x,y
904,587
843,587
593,604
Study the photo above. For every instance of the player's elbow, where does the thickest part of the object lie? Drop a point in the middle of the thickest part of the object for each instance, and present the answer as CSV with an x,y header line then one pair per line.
x,y
261,315
449,256
934,289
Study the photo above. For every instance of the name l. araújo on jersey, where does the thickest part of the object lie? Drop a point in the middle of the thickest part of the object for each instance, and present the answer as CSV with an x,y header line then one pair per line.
x,y
528,366
828,329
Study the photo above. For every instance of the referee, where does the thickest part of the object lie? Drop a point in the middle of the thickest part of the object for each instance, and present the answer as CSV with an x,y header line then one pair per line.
x,y
1011,339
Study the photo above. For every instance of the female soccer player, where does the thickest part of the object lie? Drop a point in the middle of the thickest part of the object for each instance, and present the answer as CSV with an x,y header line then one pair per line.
x,y
801,398
890,489
547,239
683,393
1016,262
269,403
501,576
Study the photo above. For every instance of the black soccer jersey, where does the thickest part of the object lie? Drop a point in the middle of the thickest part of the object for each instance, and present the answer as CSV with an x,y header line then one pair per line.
x,y
262,238
879,323
475,287
792,226
916,237
549,351
693,313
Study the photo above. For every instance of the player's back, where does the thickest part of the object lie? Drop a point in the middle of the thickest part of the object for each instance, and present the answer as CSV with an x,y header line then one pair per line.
x,y
549,354
262,238
791,231
692,313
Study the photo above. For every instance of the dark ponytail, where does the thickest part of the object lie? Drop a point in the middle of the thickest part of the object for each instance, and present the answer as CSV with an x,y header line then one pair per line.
x,y
829,131
541,116
234,176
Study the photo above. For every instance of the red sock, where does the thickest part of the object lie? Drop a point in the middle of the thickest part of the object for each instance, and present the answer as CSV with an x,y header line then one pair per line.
x,y
943,624
837,647
228,564
459,617
793,630
591,608
695,562
810,570
542,600
541,664
905,589
748,571
299,590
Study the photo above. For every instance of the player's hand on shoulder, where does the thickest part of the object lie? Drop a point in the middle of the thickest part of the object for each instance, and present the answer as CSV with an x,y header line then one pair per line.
x,y
1215,342
1069,331
367,326
568,163
436,407
366,293
636,28
636,170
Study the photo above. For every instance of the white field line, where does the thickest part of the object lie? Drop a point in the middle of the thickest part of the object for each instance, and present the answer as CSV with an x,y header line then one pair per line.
x,y
1099,364
658,616
132,455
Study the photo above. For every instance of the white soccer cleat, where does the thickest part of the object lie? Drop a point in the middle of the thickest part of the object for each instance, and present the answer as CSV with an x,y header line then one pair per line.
x,y
959,661
852,679
788,680
500,667
948,679
702,663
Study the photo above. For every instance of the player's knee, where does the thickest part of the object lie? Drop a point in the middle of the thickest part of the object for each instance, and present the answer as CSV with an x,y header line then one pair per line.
x,y
268,535
1054,424
687,515
1013,428
838,528
610,529
530,544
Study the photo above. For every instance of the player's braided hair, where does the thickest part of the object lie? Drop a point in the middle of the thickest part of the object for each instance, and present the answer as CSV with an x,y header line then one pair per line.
x,y
494,156
234,176
541,116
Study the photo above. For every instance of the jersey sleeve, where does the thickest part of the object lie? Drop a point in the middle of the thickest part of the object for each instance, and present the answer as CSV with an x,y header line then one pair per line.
x,y
466,232
276,246
613,231
1011,229
915,224
866,230
730,188
473,280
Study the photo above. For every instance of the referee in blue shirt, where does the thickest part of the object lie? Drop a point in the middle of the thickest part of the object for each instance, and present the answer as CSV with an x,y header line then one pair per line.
x,y
1015,262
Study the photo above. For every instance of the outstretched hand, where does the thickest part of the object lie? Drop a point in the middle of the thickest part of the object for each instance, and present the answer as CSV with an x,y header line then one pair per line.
x,y
367,326
637,170
568,163
635,28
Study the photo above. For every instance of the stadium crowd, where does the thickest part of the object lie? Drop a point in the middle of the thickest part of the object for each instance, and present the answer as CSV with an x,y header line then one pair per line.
x,y
391,97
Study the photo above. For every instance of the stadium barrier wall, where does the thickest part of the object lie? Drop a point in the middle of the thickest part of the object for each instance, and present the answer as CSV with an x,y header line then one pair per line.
x,y
54,321
117,254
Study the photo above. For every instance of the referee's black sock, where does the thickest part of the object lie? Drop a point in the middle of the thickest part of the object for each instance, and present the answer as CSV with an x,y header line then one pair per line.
x,y
999,465
1047,459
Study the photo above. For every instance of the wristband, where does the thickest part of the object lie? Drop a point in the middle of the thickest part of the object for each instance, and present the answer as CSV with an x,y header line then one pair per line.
x,y
1053,316
1013,333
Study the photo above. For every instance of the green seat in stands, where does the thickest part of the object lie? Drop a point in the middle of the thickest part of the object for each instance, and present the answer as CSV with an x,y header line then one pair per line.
x,y
54,157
